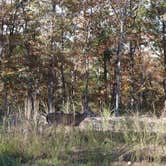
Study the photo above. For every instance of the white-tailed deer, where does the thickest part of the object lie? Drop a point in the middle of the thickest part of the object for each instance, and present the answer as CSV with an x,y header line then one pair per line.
x,y
60,118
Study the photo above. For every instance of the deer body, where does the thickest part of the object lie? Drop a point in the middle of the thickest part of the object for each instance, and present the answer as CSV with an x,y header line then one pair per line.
x,y
60,118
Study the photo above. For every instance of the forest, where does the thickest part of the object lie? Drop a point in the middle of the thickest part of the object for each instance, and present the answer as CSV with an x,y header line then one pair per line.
x,y
64,58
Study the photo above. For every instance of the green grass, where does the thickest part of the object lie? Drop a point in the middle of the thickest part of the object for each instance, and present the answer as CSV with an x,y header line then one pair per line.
x,y
70,146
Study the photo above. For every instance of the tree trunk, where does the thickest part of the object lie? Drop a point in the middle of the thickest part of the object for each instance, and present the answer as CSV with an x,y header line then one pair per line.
x,y
113,89
31,104
131,77
87,50
105,80
49,97
62,66
86,95
4,102
140,103
118,72
28,106
164,51
86,99
35,104
54,86
73,80
51,90
63,84
52,82
132,50
1,38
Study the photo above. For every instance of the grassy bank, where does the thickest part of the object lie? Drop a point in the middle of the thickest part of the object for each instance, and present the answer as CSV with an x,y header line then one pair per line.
x,y
64,146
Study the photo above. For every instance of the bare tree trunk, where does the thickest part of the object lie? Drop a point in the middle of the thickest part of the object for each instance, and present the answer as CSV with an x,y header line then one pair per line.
x,y
31,104
141,81
131,77
28,106
105,76
72,90
35,105
118,72
73,80
49,97
4,103
51,79
87,50
132,50
54,86
86,95
63,84
2,38
86,99
62,65
51,86
164,49
113,89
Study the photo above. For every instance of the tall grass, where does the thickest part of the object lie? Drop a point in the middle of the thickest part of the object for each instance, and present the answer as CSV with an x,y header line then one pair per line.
x,y
70,146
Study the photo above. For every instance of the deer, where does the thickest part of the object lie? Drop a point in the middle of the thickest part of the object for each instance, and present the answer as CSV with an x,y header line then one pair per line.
x,y
70,119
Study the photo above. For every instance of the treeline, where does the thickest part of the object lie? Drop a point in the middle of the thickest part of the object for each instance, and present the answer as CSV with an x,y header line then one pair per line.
x,y
74,54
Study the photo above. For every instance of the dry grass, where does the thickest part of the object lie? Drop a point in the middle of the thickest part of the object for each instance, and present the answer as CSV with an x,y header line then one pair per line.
x,y
27,145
